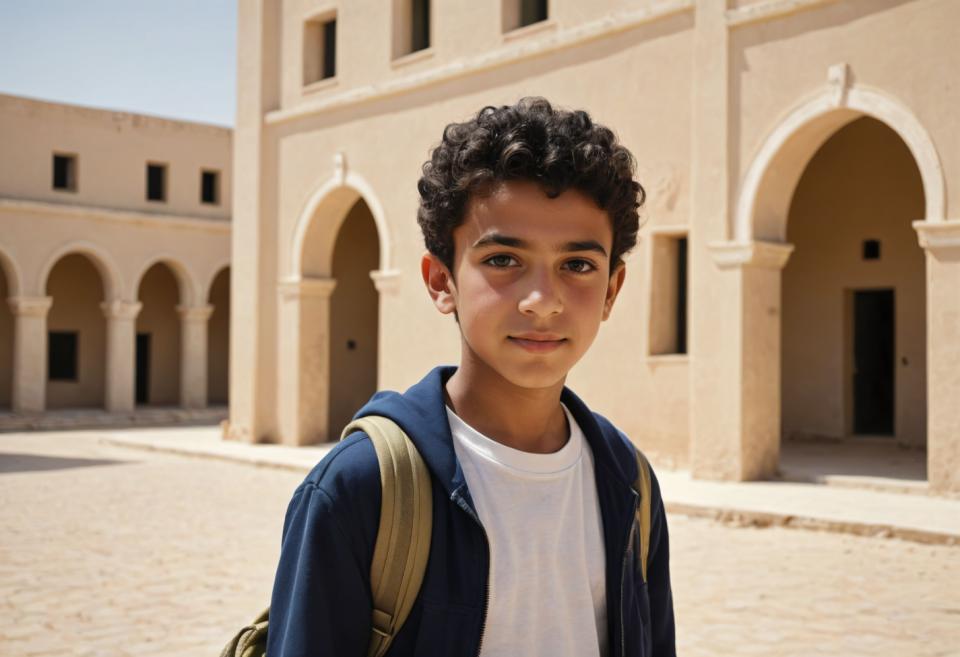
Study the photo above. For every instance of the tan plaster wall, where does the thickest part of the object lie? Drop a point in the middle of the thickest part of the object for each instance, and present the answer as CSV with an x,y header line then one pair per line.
x,y
6,344
77,293
159,295
218,337
905,49
457,31
861,184
112,150
692,95
385,143
353,316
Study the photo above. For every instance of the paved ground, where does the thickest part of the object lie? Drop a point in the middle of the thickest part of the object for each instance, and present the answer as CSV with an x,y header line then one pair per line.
x,y
110,551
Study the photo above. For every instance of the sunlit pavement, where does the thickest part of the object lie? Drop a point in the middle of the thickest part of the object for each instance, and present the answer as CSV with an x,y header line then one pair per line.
x,y
108,550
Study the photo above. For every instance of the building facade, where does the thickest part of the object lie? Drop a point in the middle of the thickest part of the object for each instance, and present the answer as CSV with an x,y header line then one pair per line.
x,y
114,259
798,270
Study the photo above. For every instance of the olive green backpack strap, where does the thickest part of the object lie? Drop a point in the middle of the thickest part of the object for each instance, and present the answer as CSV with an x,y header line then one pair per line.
x,y
642,485
403,540
406,524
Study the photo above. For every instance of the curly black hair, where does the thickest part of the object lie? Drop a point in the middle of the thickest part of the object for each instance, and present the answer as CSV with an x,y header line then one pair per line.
x,y
531,140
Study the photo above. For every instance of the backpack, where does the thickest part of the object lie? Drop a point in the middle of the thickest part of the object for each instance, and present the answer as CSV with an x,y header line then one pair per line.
x,y
403,537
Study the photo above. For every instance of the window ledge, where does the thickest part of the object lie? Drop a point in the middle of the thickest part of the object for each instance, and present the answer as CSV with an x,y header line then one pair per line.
x,y
534,28
667,359
412,57
320,85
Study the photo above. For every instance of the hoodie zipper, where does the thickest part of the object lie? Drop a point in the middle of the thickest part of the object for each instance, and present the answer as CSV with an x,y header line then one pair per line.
x,y
462,503
623,570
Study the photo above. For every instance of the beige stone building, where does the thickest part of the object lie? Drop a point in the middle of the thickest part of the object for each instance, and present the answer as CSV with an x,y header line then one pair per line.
x,y
798,274
114,260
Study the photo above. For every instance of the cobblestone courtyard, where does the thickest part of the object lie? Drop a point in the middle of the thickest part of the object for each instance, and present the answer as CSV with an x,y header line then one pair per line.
x,y
110,551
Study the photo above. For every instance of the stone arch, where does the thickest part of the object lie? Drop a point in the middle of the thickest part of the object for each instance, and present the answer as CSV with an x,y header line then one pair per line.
x,y
113,284
186,281
211,278
78,288
767,187
853,359
307,304
334,198
9,287
217,296
11,271
163,288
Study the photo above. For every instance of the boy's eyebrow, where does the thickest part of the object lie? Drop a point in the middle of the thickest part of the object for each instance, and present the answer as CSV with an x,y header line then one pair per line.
x,y
516,242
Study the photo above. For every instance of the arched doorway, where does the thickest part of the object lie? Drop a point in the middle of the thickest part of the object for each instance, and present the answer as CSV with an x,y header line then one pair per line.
x,y
353,317
218,340
853,293
157,379
340,219
6,339
76,335
737,398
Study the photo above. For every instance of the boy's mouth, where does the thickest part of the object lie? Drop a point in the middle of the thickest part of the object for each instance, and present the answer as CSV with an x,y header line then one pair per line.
x,y
537,342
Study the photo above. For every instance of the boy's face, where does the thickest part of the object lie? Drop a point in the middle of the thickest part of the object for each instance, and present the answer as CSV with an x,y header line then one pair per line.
x,y
526,264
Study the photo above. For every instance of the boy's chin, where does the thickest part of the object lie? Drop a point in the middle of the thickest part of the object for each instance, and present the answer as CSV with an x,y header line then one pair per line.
x,y
534,375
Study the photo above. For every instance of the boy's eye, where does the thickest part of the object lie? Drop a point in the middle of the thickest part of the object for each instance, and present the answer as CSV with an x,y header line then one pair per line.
x,y
578,266
498,260
582,270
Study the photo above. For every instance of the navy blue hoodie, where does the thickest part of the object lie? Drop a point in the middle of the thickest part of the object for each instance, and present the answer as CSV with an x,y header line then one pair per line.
x,y
321,603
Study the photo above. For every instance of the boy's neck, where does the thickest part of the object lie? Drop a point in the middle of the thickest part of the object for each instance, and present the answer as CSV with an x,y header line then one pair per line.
x,y
527,419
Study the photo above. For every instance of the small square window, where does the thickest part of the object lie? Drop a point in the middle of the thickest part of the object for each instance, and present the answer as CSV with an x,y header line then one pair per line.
x,y
520,13
319,49
65,172
156,182
871,249
210,187
411,26
62,356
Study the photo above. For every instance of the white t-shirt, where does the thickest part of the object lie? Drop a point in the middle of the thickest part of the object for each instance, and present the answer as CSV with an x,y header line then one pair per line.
x,y
547,563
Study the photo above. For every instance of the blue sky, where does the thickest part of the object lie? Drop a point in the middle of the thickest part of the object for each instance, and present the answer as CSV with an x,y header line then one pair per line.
x,y
173,58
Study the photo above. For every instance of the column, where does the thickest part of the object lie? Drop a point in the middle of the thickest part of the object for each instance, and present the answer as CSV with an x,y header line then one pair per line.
x,y
30,353
193,355
303,394
121,354
941,240
736,385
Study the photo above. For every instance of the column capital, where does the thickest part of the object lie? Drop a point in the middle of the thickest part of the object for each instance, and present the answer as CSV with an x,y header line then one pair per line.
x,y
936,236
119,309
30,306
767,255
195,313
296,288
387,281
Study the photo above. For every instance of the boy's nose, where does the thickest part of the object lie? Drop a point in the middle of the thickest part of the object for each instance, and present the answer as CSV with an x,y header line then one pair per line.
x,y
542,297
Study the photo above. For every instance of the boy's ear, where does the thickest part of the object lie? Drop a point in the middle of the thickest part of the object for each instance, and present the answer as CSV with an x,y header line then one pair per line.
x,y
439,282
613,288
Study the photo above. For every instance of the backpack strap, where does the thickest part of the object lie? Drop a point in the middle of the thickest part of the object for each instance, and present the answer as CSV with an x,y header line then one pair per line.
x,y
406,523
642,485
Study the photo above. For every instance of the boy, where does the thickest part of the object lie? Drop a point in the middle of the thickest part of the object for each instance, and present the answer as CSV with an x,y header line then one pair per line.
x,y
526,211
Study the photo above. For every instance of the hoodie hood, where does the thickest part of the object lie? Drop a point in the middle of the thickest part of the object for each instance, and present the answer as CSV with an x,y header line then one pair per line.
x,y
421,413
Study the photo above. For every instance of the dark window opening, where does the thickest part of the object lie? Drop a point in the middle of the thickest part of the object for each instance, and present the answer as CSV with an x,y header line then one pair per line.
x,y
62,355
420,37
330,49
210,187
681,337
65,172
142,385
532,11
156,182
871,249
